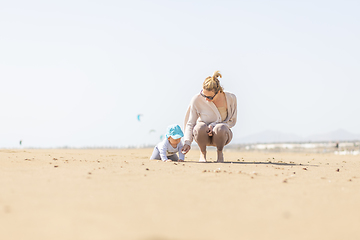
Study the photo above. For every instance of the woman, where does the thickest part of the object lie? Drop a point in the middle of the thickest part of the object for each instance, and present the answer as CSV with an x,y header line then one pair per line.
x,y
209,118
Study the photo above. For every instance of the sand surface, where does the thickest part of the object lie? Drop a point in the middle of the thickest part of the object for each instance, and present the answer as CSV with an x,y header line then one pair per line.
x,y
119,194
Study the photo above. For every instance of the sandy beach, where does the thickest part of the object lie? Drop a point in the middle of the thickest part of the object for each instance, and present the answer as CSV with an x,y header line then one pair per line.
x,y
113,194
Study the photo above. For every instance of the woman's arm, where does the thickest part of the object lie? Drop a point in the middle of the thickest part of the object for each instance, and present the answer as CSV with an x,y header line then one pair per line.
x,y
232,111
190,122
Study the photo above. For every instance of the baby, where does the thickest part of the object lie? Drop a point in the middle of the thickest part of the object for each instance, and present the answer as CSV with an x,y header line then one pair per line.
x,y
167,149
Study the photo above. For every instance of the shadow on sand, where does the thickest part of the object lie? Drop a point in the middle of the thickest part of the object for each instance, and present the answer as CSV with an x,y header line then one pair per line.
x,y
258,163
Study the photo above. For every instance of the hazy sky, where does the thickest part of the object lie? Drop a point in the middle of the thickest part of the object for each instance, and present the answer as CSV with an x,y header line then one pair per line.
x,y
77,73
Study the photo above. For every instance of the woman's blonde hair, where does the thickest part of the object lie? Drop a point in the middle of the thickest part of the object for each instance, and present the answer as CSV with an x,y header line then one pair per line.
x,y
213,83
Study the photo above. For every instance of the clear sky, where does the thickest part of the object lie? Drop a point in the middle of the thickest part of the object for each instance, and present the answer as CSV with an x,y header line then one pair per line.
x,y
77,73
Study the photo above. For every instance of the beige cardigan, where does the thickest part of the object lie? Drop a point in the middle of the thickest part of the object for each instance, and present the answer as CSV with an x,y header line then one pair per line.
x,y
201,110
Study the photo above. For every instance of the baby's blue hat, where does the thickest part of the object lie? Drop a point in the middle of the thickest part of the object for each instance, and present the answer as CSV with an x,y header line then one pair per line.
x,y
174,131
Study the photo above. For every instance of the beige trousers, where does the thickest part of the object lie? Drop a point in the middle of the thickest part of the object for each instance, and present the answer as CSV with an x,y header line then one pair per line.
x,y
222,136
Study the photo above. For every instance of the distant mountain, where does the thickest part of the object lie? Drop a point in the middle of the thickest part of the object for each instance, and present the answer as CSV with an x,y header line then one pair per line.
x,y
269,136
277,137
338,135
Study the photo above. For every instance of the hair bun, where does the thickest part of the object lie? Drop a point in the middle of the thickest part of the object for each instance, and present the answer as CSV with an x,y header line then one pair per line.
x,y
213,83
217,74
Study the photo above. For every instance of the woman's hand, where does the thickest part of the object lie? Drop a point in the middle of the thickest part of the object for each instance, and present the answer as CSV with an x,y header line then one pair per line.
x,y
210,130
185,149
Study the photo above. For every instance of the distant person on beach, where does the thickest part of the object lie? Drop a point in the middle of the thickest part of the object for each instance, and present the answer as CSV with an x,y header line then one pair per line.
x,y
167,149
209,118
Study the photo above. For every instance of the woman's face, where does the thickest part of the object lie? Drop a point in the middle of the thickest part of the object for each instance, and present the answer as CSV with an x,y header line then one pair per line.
x,y
208,95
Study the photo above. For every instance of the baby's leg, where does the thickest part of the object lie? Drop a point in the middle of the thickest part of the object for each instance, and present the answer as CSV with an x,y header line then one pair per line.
x,y
173,157
155,155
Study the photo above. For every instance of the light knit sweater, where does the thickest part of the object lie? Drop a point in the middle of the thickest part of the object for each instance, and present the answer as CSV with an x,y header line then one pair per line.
x,y
165,149
201,110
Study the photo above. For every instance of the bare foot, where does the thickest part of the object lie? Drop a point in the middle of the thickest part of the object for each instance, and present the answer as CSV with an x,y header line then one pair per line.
x,y
202,157
220,156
